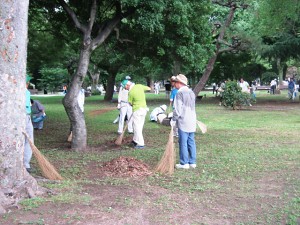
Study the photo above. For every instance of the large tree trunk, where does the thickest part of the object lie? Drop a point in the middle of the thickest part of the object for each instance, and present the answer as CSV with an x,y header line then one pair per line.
x,y
70,102
15,183
110,87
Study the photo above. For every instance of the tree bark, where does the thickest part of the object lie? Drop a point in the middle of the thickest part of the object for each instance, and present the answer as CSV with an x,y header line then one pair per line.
x,y
15,181
70,102
110,87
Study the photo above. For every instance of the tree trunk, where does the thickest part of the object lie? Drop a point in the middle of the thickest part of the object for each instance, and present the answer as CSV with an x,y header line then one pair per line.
x,y
110,87
76,117
15,183
210,66
206,74
280,72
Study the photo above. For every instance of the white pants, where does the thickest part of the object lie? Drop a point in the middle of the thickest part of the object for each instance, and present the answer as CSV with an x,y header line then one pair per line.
x,y
138,125
125,109
27,148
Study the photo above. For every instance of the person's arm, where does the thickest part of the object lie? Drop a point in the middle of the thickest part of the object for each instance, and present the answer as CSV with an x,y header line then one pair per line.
x,y
146,88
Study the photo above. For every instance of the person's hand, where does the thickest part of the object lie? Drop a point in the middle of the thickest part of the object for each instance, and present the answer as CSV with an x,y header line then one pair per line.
x,y
118,106
172,123
44,114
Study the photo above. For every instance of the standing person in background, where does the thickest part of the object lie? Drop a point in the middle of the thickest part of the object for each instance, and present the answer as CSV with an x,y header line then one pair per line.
x,y
167,88
28,128
292,88
221,90
184,115
214,85
38,114
273,86
245,88
137,98
156,87
125,109
253,89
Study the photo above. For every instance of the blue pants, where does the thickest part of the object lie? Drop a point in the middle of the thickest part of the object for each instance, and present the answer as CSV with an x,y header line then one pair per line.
x,y
187,147
27,148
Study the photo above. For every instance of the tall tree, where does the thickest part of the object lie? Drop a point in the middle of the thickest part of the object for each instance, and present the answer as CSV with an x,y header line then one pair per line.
x,y
222,43
15,181
279,28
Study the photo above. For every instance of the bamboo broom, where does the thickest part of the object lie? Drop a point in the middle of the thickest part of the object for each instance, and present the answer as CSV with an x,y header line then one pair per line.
x,y
202,127
120,138
48,170
167,163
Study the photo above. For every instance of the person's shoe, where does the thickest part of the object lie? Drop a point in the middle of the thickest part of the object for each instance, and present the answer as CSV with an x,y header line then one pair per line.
x,y
119,133
134,143
130,132
193,166
185,166
139,147
250,105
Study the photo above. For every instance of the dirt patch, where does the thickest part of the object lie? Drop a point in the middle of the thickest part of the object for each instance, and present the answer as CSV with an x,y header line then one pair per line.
x,y
101,111
123,167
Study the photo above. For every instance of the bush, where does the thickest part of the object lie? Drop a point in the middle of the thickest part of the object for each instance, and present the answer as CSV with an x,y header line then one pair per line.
x,y
234,97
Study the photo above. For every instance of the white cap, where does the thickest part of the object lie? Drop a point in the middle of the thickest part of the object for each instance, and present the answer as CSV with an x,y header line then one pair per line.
x,y
163,107
128,77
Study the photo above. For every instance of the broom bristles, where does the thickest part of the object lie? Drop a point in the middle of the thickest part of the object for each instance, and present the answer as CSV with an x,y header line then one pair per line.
x,y
48,170
70,137
202,127
167,162
120,138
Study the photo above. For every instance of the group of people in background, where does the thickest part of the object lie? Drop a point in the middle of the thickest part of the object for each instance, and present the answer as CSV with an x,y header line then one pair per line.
x,y
132,104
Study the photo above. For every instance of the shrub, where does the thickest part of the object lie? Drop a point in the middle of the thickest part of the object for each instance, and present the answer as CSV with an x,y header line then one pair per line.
x,y
234,97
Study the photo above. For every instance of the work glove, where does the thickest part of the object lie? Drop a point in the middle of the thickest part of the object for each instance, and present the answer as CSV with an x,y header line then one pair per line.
x,y
44,114
119,106
172,123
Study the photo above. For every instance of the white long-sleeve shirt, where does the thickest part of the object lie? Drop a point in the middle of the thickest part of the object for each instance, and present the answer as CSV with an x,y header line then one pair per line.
x,y
184,110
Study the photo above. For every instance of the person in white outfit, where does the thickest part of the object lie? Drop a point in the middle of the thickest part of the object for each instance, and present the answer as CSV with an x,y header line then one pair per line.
x,y
157,111
125,110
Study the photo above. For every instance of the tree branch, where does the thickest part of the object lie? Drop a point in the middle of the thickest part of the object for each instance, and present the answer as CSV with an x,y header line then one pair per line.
x,y
72,15
92,16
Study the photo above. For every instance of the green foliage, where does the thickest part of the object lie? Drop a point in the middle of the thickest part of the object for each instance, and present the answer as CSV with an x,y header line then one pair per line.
x,y
267,77
53,78
233,97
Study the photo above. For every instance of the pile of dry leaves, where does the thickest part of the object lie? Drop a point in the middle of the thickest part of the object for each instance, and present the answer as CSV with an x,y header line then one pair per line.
x,y
126,167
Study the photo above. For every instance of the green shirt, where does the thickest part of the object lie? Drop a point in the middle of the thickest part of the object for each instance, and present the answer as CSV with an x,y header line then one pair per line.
x,y
136,96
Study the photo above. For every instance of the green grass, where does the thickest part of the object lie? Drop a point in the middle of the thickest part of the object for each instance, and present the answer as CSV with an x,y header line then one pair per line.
x,y
241,150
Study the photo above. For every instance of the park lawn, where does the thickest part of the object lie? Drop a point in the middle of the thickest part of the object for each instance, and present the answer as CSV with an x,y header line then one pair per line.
x,y
247,171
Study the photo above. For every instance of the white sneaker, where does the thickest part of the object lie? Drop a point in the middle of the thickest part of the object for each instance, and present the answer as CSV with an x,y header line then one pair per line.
x,y
193,166
185,166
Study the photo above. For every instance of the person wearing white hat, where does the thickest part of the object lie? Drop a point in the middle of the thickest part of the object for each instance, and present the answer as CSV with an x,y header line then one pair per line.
x,y
184,115
125,110
157,111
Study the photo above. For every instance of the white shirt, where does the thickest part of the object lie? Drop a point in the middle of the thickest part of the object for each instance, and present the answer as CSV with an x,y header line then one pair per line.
x,y
244,86
80,99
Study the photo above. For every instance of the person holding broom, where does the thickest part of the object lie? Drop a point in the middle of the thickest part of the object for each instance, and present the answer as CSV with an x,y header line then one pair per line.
x,y
184,115
28,128
137,98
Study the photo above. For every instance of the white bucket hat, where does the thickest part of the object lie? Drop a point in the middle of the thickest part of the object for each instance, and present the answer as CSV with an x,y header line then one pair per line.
x,y
182,79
